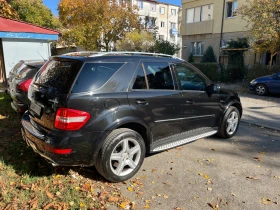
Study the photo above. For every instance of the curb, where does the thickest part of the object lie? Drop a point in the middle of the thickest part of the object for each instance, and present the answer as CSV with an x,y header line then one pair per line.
x,y
261,125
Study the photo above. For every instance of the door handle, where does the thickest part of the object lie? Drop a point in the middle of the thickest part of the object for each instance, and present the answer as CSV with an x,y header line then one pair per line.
x,y
141,102
189,102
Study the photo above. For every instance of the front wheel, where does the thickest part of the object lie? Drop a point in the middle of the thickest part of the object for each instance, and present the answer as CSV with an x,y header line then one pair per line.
x,y
121,155
261,90
230,123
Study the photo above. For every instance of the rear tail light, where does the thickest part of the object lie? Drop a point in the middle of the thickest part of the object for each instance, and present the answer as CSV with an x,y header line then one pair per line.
x,y
70,119
59,151
24,85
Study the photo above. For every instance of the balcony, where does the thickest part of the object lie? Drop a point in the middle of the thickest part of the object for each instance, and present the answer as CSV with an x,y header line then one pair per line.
x,y
204,27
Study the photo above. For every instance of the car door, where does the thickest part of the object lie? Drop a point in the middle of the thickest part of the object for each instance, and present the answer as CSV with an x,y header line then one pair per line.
x,y
200,109
154,98
274,84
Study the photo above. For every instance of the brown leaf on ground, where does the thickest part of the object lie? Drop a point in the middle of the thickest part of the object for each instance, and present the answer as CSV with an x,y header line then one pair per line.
x,y
154,170
213,206
258,158
266,201
251,177
212,149
48,206
33,203
179,148
50,195
113,199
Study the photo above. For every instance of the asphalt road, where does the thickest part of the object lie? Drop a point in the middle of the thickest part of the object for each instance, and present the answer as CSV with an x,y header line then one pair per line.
x,y
239,173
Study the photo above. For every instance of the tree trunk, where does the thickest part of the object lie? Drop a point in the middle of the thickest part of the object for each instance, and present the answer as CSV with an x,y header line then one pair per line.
x,y
107,46
270,62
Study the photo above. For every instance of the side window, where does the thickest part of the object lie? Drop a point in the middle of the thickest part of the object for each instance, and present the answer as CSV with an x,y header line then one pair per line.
x,y
94,75
159,75
189,79
140,82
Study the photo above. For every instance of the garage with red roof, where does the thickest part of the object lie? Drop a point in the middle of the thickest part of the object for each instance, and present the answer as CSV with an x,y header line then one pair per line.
x,y
23,41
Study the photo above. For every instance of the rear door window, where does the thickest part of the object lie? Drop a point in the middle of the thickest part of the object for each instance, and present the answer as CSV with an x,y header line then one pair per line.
x,y
95,75
159,75
57,76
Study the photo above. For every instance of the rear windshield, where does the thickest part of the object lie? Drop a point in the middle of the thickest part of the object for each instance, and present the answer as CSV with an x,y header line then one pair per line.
x,y
94,75
58,75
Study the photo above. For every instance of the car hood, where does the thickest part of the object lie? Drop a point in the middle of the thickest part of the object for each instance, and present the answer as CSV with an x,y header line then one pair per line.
x,y
264,78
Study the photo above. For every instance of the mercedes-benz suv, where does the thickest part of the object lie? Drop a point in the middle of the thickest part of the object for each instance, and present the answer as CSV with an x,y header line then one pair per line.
x,y
111,109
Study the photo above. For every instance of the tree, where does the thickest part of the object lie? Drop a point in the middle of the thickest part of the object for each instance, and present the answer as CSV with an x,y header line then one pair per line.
x,y
165,47
7,11
96,23
136,41
35,12
263,17
209,56
235,51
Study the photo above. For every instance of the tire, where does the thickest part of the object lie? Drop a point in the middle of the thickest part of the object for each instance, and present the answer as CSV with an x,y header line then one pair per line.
x,y
128,148
261,89
231,118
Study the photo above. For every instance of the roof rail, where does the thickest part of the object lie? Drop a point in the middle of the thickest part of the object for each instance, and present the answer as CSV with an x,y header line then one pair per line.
x,y
81,53
134,53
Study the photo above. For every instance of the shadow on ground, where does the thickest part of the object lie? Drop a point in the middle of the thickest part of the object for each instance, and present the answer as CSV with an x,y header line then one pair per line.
x,y
14,151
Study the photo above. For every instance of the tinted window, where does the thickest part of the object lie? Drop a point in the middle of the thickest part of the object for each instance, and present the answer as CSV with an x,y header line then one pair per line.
x,y
159,75
140,82
94,75
58,75
189,79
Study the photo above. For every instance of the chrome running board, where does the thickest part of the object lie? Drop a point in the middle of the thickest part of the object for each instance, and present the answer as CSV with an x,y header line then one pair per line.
x,y
183,141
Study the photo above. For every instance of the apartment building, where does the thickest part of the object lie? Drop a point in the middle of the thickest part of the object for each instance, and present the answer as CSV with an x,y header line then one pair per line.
x,y
212,22
162,18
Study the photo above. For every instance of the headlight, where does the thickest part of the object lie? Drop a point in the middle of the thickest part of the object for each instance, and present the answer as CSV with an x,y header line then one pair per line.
x,y
253,82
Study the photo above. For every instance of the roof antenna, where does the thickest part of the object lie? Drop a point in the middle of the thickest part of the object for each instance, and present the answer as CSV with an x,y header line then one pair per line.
x,y
42,56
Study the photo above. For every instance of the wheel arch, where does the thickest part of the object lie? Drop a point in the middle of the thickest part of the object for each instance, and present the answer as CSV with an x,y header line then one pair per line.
x,y
236,104
130,123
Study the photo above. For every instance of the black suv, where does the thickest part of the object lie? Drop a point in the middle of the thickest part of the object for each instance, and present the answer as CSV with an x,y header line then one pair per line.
x,y
111,109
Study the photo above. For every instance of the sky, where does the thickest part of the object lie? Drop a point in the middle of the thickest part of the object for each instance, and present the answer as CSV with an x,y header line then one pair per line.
x,y
52,4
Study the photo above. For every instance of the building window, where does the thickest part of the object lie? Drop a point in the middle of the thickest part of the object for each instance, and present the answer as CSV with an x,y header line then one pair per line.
x,y
173,12
231,9
199,14
197,48
161,37
153,7
173,25
162,10
139,4
162,24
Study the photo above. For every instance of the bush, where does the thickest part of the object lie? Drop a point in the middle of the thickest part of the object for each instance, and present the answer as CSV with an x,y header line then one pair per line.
x,y
211,70
209,56
191,59
259,70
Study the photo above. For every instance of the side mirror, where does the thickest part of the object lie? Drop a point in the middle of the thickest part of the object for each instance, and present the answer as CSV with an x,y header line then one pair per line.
x,y
212,89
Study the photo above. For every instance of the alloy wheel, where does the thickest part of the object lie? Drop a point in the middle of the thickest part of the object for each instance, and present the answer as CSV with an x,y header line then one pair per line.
x,y
125,157
232,123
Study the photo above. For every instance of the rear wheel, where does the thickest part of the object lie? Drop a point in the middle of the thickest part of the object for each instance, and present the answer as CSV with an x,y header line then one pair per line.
x,y
229,123
261,89
121,155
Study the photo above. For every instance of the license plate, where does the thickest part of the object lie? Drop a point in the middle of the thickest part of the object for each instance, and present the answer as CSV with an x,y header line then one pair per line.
x,y
35,108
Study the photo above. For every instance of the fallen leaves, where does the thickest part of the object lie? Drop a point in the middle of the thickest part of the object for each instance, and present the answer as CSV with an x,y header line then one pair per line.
x,y
267,201
251,177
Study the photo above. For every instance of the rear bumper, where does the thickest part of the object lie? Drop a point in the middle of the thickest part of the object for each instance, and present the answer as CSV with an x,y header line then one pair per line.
x,y
18,107
19,101
42,141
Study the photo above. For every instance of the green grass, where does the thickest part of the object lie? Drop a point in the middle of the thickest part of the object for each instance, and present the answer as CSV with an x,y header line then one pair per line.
x,y
27,181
